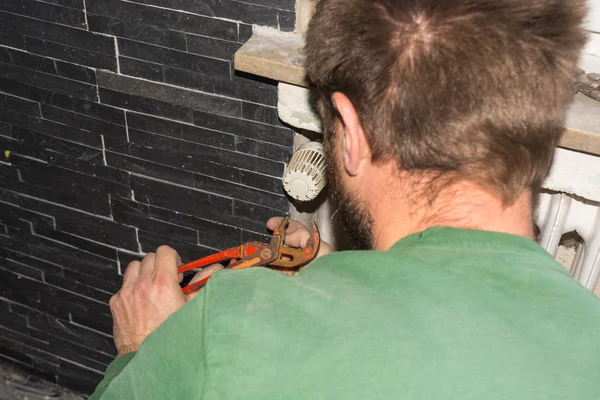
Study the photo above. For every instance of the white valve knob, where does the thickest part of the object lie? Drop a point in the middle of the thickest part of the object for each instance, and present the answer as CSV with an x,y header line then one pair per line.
x,y
304,177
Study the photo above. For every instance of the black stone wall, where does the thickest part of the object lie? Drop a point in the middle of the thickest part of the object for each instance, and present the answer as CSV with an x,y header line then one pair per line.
x,y
123,126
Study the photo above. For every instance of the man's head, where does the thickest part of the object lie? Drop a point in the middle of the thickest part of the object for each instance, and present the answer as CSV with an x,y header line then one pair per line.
x,y
445,89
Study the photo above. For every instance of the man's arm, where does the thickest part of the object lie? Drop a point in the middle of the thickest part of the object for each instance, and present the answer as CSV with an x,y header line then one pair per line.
x,y
113,370
149,295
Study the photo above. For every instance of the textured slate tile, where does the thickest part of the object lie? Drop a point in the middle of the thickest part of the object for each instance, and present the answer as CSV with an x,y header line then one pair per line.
x,y
9,39
97,321
257,213
241,192
182,164
174,58
289,5
43,64
260,113
79,242
19,105
52,300
248,236
45,81
141,69
109,286
50,128
244,32
168,19
150,241
76,4
211,234
75,72
212,47
74,377
149,169
126,257
87,226
21,269
91,109
237,221
68,36
46,11
245,128
22,90
27,60
44,146
15,356
79,288
83,122
145,105
95,206
47,175
252,89
173,95
205,83
262,149
186,207
242,11
180,131
83,199
20,335
196,155
287,21
198,199
263,182
71,54
94,167
138,32
41,265
14,214
68,257
133,213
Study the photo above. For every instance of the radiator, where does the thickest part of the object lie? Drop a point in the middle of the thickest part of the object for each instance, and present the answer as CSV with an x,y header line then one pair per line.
x,y
559,215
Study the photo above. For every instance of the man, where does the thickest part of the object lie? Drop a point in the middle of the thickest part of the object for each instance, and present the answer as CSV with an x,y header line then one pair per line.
x,y
441,119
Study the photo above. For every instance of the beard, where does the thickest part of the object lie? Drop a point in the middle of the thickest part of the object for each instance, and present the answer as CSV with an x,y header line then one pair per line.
x,y
351,214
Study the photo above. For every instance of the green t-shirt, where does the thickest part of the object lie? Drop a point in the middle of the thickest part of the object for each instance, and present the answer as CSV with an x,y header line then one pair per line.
x,y
444,314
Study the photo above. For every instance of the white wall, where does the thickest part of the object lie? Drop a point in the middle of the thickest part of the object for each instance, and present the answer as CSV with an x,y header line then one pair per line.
x,y
590,59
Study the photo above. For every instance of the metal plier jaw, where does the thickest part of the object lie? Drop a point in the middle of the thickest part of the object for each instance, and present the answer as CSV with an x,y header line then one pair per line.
x,y
273,254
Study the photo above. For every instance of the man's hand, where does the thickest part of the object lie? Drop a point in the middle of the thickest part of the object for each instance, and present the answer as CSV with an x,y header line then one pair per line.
x,y
149,295
296,235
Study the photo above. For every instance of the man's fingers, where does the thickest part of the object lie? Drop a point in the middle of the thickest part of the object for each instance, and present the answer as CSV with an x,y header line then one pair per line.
x,y
298,238
208,271
131,273
293,225
165,265
296,233
147,267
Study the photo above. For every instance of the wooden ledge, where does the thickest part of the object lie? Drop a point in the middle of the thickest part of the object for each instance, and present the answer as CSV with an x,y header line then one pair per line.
x,y
278,56
274,55
582,126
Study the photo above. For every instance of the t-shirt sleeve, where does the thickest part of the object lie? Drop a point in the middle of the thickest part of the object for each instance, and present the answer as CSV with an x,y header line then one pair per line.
x,y
114,369
169,364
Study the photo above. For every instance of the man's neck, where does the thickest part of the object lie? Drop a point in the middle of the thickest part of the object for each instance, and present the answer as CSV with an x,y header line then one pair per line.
x,y
462,205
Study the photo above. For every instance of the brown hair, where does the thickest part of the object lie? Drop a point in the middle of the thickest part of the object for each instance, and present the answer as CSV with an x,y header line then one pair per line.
x,y
477,88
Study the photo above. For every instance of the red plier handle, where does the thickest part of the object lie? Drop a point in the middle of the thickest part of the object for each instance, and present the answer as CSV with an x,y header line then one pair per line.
x,y
274,253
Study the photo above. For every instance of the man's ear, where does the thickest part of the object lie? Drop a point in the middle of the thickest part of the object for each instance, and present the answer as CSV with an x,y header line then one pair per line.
x,y
355,147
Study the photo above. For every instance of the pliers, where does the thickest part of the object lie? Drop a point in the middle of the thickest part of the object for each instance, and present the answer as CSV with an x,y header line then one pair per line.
x,y
273,254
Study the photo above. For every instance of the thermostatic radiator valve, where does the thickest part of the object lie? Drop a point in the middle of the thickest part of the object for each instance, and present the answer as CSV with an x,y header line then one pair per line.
x,y
304,177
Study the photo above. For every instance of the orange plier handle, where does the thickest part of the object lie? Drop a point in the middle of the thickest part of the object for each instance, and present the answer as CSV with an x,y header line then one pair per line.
x,y
274,253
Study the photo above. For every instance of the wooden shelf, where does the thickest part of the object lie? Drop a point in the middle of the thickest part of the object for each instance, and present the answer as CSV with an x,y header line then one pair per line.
x,y
279,56
273,55
582,126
